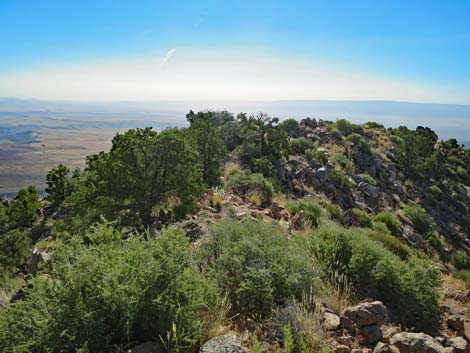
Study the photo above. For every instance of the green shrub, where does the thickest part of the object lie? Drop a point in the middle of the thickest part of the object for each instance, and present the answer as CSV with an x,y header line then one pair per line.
x,y
359,150
461,260
291,127
381,227
334,211
257,266
340,180
436,191
3,215
390,220
300,145
244,182
347,127
368,179
392,244
312,209
463,275
15,249
106,293
409,288
374,125
422,221
360,218
22,210
345,163
317,155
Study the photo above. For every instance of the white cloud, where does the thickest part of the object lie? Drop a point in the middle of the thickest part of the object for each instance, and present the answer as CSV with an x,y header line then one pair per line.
x,y
167,57
216,74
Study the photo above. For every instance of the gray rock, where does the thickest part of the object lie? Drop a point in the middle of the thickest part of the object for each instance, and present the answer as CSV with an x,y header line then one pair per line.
x,y
409,342
223,344
363,314
371,195
330,321
385,348
460,344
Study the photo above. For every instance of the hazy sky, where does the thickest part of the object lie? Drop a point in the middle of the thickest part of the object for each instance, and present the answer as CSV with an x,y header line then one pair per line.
x,y
150,50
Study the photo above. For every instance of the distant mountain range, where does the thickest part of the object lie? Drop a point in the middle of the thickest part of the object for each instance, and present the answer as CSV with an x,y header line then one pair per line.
x,y
448,120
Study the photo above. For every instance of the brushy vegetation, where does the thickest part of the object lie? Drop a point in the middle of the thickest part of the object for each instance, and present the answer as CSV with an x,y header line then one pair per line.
x,y
300,145
347,128
312,210
243,183
461,260
340,180
257,266
360,218
392,244
112,286
409,287
422,221
463,275
107,292
390,220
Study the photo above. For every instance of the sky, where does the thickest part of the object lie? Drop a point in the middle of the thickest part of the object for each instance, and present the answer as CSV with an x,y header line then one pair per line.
x,y
144,50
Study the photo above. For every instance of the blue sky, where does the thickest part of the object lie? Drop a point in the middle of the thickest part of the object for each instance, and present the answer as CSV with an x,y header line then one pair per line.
x,y
103,49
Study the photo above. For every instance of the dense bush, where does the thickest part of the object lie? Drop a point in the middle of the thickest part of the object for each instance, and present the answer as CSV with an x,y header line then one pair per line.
x,y
461,260
58,185
374,125
300,145
257,266
291,127
3,214
422,221
390,220
344,163
263,138
22,210
412,150
15,249
409,288
106,293
359,150
208,140
359,218
347,127
391,243
243,182
143,170
315,154
340,180
334,211
312,210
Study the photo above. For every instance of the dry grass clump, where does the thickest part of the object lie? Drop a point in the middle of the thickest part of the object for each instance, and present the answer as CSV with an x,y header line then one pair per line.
x,y
254,198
